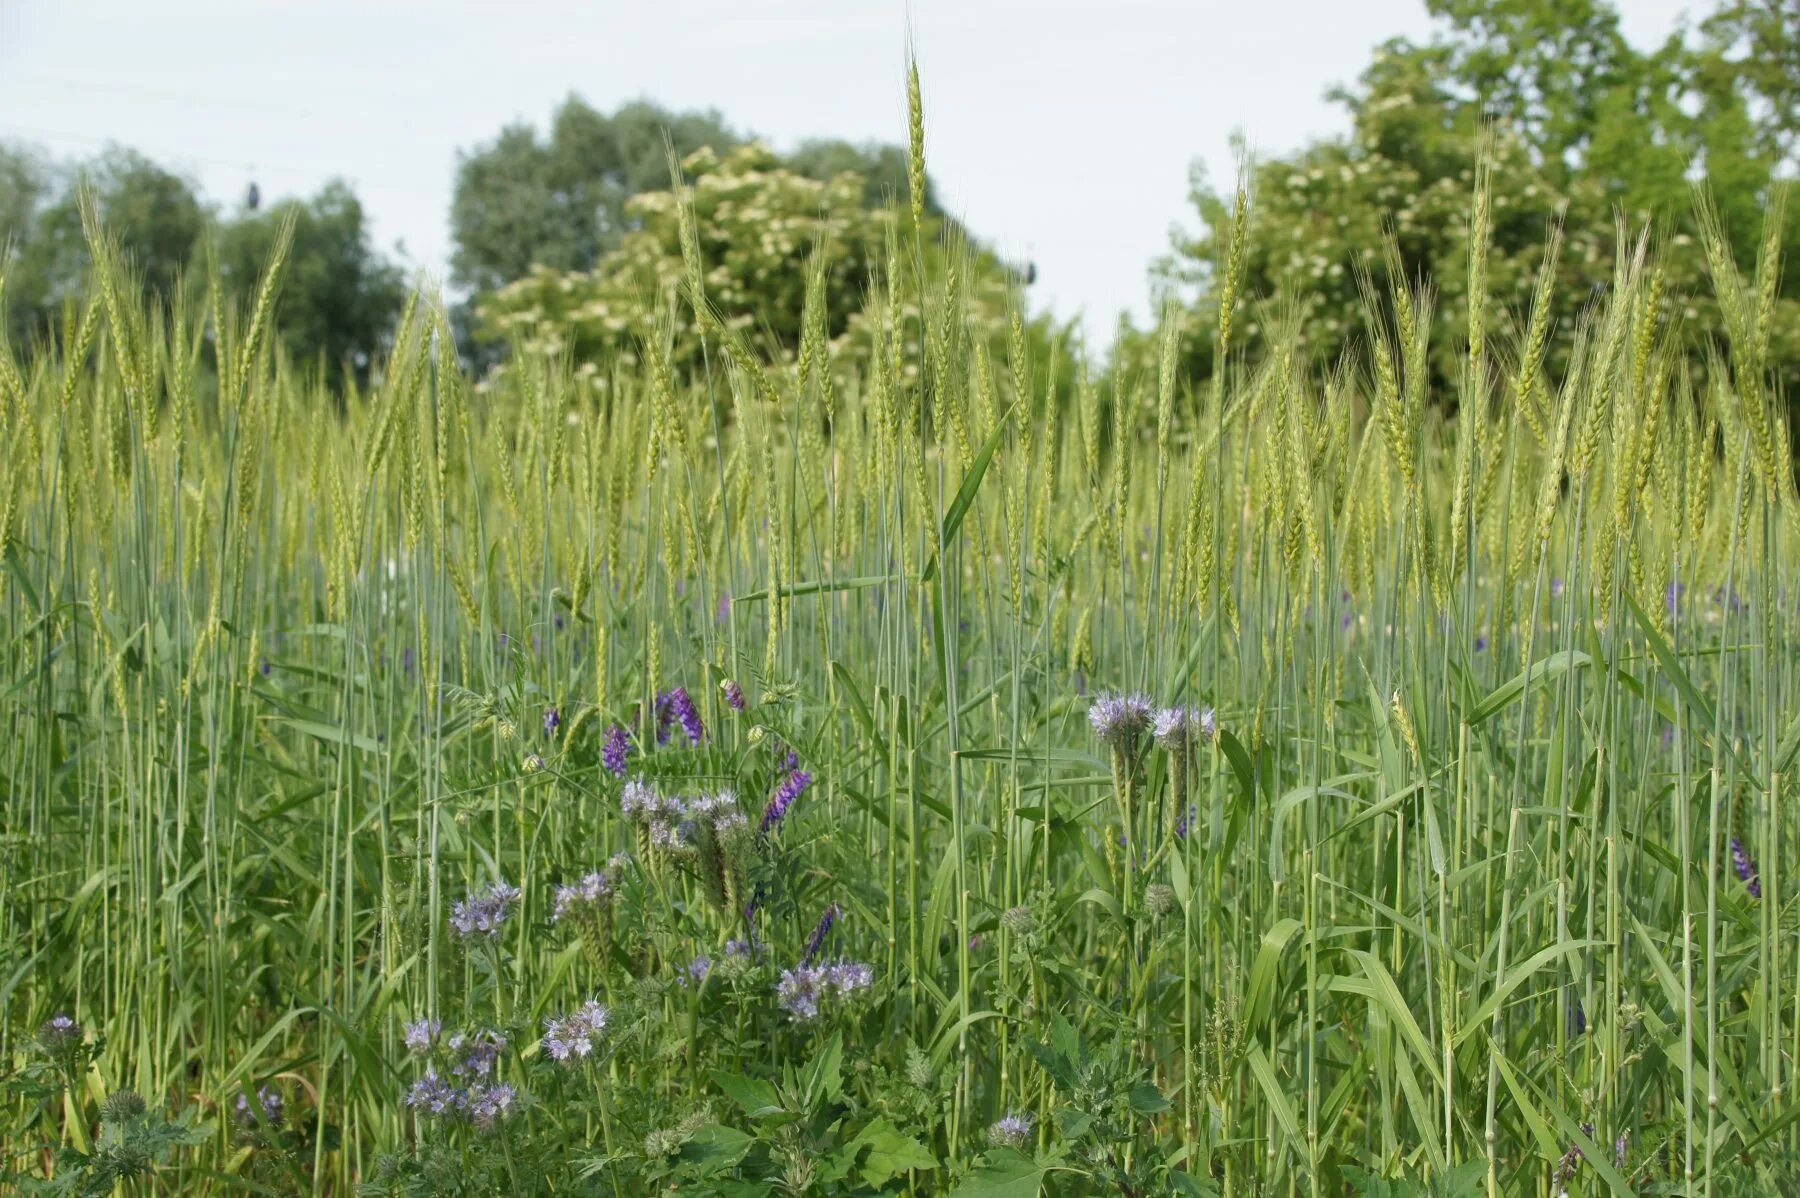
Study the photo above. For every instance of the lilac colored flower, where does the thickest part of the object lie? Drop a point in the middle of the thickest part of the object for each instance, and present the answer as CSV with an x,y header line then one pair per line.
x,y
1673,595
734,694
783,798
816,941
638,802
1180,727
266,667
1013,1131
844,978
482,913
488,1105
594,890
573,1037
1577,1019
552,721
408,659
435,1096
1346,620
617,750
60,1031
1481,642
699,969
1745,865
479,1052
724,610
422,1036
684,711
1119,719
740,948
1186,822
269,1106
802,989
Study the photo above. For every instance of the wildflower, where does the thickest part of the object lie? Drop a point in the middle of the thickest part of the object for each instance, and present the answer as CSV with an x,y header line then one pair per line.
x,y
577,898
801,990
1185,824
479,1052
60,1033
269,1106
699,969
1018,921
1481,642
1119,719
435,1096
638,800
687,714
1745,865
783,798
122,1106
1556,587
1577,1019
1178,727
488,1105
482,913
1159,900
422,1035
617,750
552,721
1013,1131
816,941
739,948
576,1035
734,694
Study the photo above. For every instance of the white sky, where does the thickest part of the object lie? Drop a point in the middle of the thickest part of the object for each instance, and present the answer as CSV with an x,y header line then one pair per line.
x,y
1060,131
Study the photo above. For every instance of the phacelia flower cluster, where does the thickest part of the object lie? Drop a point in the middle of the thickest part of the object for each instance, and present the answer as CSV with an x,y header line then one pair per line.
x,y
482,913
461,1081
1119,720
1178,728
1012,1131
572,1038
805,990
269,1107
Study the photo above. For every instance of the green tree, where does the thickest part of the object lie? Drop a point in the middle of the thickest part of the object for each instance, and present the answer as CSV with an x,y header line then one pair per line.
x,y
522,201
1578,126
340,297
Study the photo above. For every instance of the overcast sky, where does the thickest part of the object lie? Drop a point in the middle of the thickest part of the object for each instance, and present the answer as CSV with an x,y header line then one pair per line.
x,y
1061,132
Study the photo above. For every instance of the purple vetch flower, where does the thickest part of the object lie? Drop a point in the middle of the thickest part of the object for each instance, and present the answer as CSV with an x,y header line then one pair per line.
x,y
1577,1019
269,1106
1673,595
433,1095
1185,824
1012,1131
488,1105
790,789
1745,865
482,913
265,667
617,750
1346,620
408,659
1481,642
687,714
723,614
422,1035
573,1037
1119,719
816,941
552,721
1556,587
734,694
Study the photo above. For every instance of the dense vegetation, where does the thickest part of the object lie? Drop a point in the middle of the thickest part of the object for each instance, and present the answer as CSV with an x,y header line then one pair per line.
x,y
860,771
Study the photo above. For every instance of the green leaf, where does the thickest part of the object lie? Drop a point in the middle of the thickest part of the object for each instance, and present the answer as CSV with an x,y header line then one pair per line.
x,y
329,733
1006,1173
1537,673
756,1096
965,494
1146,1099
715,1148
821,586
891,1153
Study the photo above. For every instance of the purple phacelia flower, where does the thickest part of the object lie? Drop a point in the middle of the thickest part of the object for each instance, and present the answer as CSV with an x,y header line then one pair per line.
x,y
1180,727
573,1037
802,989
478,1052
617,750
422,1035
594,890
638,801
1745,865
1120,719
59,1032
1013,1131
783,798
699,969
488,1105
482,913
433,1095
734,694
